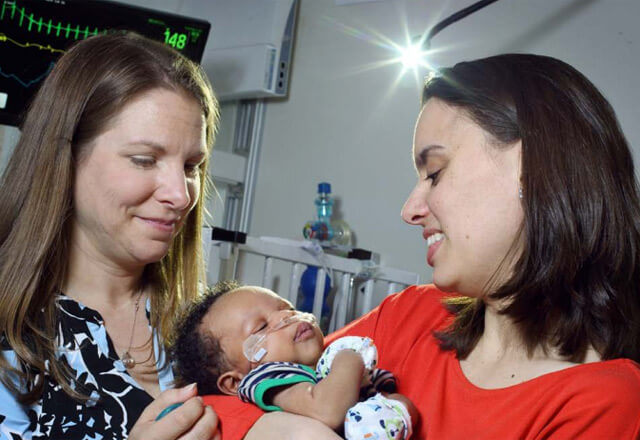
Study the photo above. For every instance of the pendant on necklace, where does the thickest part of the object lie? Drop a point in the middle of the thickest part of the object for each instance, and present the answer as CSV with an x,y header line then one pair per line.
x,y
128,361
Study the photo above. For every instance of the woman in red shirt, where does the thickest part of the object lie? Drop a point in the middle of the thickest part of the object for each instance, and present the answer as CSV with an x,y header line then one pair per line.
x,y
527,200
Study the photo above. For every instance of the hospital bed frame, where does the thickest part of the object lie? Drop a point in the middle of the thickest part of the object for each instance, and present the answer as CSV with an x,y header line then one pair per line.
x,y
352,277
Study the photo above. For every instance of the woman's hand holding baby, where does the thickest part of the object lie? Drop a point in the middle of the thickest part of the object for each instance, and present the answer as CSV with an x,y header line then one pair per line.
x,y
192,420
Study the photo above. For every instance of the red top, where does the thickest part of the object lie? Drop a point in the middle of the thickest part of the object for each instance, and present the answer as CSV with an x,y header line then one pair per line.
x,y
599,400
236,417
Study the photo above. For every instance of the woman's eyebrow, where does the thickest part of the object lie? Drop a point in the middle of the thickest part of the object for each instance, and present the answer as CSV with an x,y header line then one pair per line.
x,y
422,156
151,144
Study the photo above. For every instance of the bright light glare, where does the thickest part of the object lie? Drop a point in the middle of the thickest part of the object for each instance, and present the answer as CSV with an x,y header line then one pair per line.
x,y
411,56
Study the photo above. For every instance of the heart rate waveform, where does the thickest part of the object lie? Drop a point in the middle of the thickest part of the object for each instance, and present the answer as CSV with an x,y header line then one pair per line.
x,y
34,33
11,11
24,83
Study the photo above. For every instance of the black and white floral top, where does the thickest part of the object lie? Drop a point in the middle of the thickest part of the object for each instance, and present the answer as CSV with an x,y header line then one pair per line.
x,y
116,399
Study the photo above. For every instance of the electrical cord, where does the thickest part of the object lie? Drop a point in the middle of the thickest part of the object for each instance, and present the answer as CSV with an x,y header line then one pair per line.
x,y
453,18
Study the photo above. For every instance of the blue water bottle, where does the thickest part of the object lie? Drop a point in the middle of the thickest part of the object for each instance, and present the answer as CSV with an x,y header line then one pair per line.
x,y
321,228
324,202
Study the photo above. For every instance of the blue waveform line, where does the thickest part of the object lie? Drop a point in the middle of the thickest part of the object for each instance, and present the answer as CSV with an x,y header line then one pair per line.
x,y
29,83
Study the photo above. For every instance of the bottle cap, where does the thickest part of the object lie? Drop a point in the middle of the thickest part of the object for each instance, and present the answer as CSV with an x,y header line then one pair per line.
x,y
324,187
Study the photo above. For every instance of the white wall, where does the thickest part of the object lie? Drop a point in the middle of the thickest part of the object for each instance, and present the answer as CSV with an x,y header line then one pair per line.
x,y
352,127
349,126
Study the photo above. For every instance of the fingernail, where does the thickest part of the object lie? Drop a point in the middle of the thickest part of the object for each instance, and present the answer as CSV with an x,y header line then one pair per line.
x,y
191,387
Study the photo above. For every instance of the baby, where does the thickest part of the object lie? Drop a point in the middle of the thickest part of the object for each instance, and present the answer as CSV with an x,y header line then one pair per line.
x,y
250,342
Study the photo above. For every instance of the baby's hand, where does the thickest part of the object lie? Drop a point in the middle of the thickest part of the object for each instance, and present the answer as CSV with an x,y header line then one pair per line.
x,y
347,356
351,359
363,346
411,408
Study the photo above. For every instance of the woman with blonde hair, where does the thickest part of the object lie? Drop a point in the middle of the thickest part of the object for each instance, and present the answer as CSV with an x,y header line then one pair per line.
x,y
101,211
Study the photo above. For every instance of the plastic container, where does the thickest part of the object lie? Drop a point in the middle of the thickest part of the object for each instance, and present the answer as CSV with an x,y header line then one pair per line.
x,y
324,202
321,228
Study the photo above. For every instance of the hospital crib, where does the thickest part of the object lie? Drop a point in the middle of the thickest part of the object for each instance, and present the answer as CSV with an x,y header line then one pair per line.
x,y
359,281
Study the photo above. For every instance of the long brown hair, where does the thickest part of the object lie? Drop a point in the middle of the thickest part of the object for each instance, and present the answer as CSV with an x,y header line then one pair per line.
x,y
89,85
576,283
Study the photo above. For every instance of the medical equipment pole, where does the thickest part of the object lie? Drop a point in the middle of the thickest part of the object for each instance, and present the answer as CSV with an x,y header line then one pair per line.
x,y
258,108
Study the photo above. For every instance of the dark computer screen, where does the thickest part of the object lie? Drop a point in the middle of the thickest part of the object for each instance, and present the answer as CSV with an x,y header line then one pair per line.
x,y
33,34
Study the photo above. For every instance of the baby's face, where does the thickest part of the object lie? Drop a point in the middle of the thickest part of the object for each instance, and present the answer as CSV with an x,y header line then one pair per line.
x,y
251,310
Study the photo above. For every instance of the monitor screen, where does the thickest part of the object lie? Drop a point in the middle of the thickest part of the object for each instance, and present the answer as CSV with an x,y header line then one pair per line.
x,y
33,34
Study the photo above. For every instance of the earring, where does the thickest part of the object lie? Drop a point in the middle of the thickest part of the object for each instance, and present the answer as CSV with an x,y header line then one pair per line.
x,y
520,196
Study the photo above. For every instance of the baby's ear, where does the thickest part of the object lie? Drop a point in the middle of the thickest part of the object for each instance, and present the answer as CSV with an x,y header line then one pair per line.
x,y
228,382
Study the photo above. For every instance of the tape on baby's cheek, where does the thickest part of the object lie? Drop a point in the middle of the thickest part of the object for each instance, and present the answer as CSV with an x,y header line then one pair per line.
x,y
251,347
257,357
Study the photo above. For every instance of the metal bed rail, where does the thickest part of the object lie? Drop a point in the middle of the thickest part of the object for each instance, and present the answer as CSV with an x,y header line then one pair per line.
x,y
224,258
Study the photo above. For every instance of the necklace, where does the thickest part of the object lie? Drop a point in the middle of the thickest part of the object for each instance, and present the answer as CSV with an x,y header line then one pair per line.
x,y
128,360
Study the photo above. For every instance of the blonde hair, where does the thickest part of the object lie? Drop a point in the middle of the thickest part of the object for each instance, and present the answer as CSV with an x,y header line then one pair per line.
x,y
90,84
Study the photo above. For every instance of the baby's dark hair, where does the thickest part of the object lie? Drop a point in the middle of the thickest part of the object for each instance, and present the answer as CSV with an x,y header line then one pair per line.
x,y
196,352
